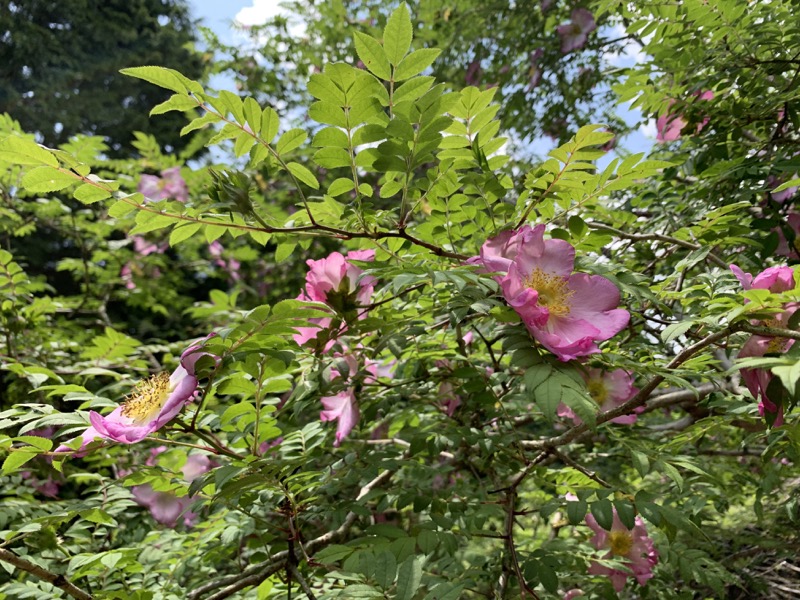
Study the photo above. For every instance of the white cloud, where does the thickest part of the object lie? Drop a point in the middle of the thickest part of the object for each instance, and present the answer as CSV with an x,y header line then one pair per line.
x,y
263,10
649,130
260,12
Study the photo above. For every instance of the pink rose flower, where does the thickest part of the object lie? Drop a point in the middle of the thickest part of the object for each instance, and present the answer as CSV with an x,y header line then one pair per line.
x,y
670,125
633,545
776,280
783,249
166,507
609,389
575,33
341,285
474,72
169,185
566,312
154,403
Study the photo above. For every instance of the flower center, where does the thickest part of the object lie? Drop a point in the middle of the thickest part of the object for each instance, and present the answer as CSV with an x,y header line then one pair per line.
x,y
147,399
597,390
620,542
776,345
553,291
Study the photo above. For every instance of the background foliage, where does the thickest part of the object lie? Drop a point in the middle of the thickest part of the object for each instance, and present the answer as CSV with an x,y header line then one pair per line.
x,y
462,476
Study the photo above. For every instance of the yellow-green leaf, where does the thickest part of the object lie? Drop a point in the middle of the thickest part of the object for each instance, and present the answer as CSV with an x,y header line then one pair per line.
x,y
303,174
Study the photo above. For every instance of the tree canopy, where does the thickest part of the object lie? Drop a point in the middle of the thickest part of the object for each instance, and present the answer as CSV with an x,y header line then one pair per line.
x,y
375,349
60,62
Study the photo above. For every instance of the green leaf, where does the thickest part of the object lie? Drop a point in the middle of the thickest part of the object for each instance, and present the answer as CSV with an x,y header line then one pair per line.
x,y
409,577
88,193
269,124
121,208
675,330
397,35
415,63
23,151
252,114
413,89
576,511
427,541
331,136
373,55
43,444
95,515
199,123
626,513
548,396
163,77
47,179
15,460
264,589
603,512
385,569
180,102
341,186
327,113
183,232
290,140
303,174
333,553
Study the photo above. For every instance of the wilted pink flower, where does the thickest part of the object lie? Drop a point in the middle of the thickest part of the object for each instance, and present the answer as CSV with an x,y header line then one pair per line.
x,y
535,71
169,185
609,389
154,402
448,398
46,487
343,407
143,247
166,507
633,545
126,275
782,196
231,266
564,311
341,285
670,125
575,33
783,249
474,71
776,280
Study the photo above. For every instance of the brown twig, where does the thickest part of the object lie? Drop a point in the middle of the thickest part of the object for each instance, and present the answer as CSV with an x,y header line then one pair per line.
x,y
52,578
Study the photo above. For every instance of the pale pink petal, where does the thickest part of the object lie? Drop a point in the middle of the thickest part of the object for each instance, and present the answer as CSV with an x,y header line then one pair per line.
x,y
341,407
744,278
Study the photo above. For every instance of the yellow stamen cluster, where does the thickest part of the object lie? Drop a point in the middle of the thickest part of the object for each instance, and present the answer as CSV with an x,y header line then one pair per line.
x,y
146,401
597,390
553,291
620,542
776,345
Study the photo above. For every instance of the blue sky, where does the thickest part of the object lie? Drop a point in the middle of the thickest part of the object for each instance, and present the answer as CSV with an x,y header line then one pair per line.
x,y
218,15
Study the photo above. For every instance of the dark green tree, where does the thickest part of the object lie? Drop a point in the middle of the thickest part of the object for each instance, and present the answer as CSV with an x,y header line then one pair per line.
x,y
60,61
